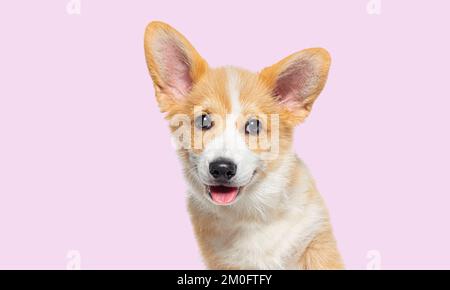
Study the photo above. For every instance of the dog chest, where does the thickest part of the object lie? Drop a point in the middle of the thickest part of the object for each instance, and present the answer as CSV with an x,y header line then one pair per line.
x,y
273,245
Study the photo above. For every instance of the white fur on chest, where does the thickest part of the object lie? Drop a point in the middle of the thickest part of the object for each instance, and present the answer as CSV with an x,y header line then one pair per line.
x,y
271,245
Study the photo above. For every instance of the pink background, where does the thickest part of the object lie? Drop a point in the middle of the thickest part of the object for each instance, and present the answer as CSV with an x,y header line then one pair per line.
x,y
85,157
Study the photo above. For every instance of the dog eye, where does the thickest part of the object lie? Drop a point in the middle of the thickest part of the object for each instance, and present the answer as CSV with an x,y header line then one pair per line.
x,y
253,126
203,122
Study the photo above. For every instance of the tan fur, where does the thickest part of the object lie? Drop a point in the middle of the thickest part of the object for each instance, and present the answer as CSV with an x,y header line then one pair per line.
x,y
297,203
321,253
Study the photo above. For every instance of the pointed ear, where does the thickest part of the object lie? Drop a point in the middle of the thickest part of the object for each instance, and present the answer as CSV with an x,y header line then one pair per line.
x,y
174,65
297,80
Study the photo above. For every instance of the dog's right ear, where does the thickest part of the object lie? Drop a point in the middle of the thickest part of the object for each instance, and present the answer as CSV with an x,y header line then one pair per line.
x,y
174,64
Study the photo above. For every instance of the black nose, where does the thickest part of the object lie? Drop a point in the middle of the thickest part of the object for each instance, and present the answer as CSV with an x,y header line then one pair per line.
x,y
222,169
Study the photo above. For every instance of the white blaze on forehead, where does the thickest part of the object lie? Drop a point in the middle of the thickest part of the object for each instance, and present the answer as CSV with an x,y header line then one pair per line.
x,y
232,140
234,90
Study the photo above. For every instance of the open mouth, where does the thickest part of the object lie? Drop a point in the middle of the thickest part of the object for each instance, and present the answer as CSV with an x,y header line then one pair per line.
x,y
223,195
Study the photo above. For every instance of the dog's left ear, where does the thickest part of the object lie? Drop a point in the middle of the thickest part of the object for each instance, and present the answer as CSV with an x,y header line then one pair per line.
x,y
297,80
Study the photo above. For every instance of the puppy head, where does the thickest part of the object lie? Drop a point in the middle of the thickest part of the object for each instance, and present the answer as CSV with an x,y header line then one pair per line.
x,y
232,126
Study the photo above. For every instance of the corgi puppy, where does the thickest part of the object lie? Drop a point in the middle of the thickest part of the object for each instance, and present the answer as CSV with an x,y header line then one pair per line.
x,y
252,202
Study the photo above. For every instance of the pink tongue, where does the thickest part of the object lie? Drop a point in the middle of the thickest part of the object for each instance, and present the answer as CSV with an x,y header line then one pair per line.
x,y
223,194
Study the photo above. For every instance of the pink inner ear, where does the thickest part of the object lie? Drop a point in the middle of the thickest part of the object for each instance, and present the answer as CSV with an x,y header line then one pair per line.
x,y
294,84
176,69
